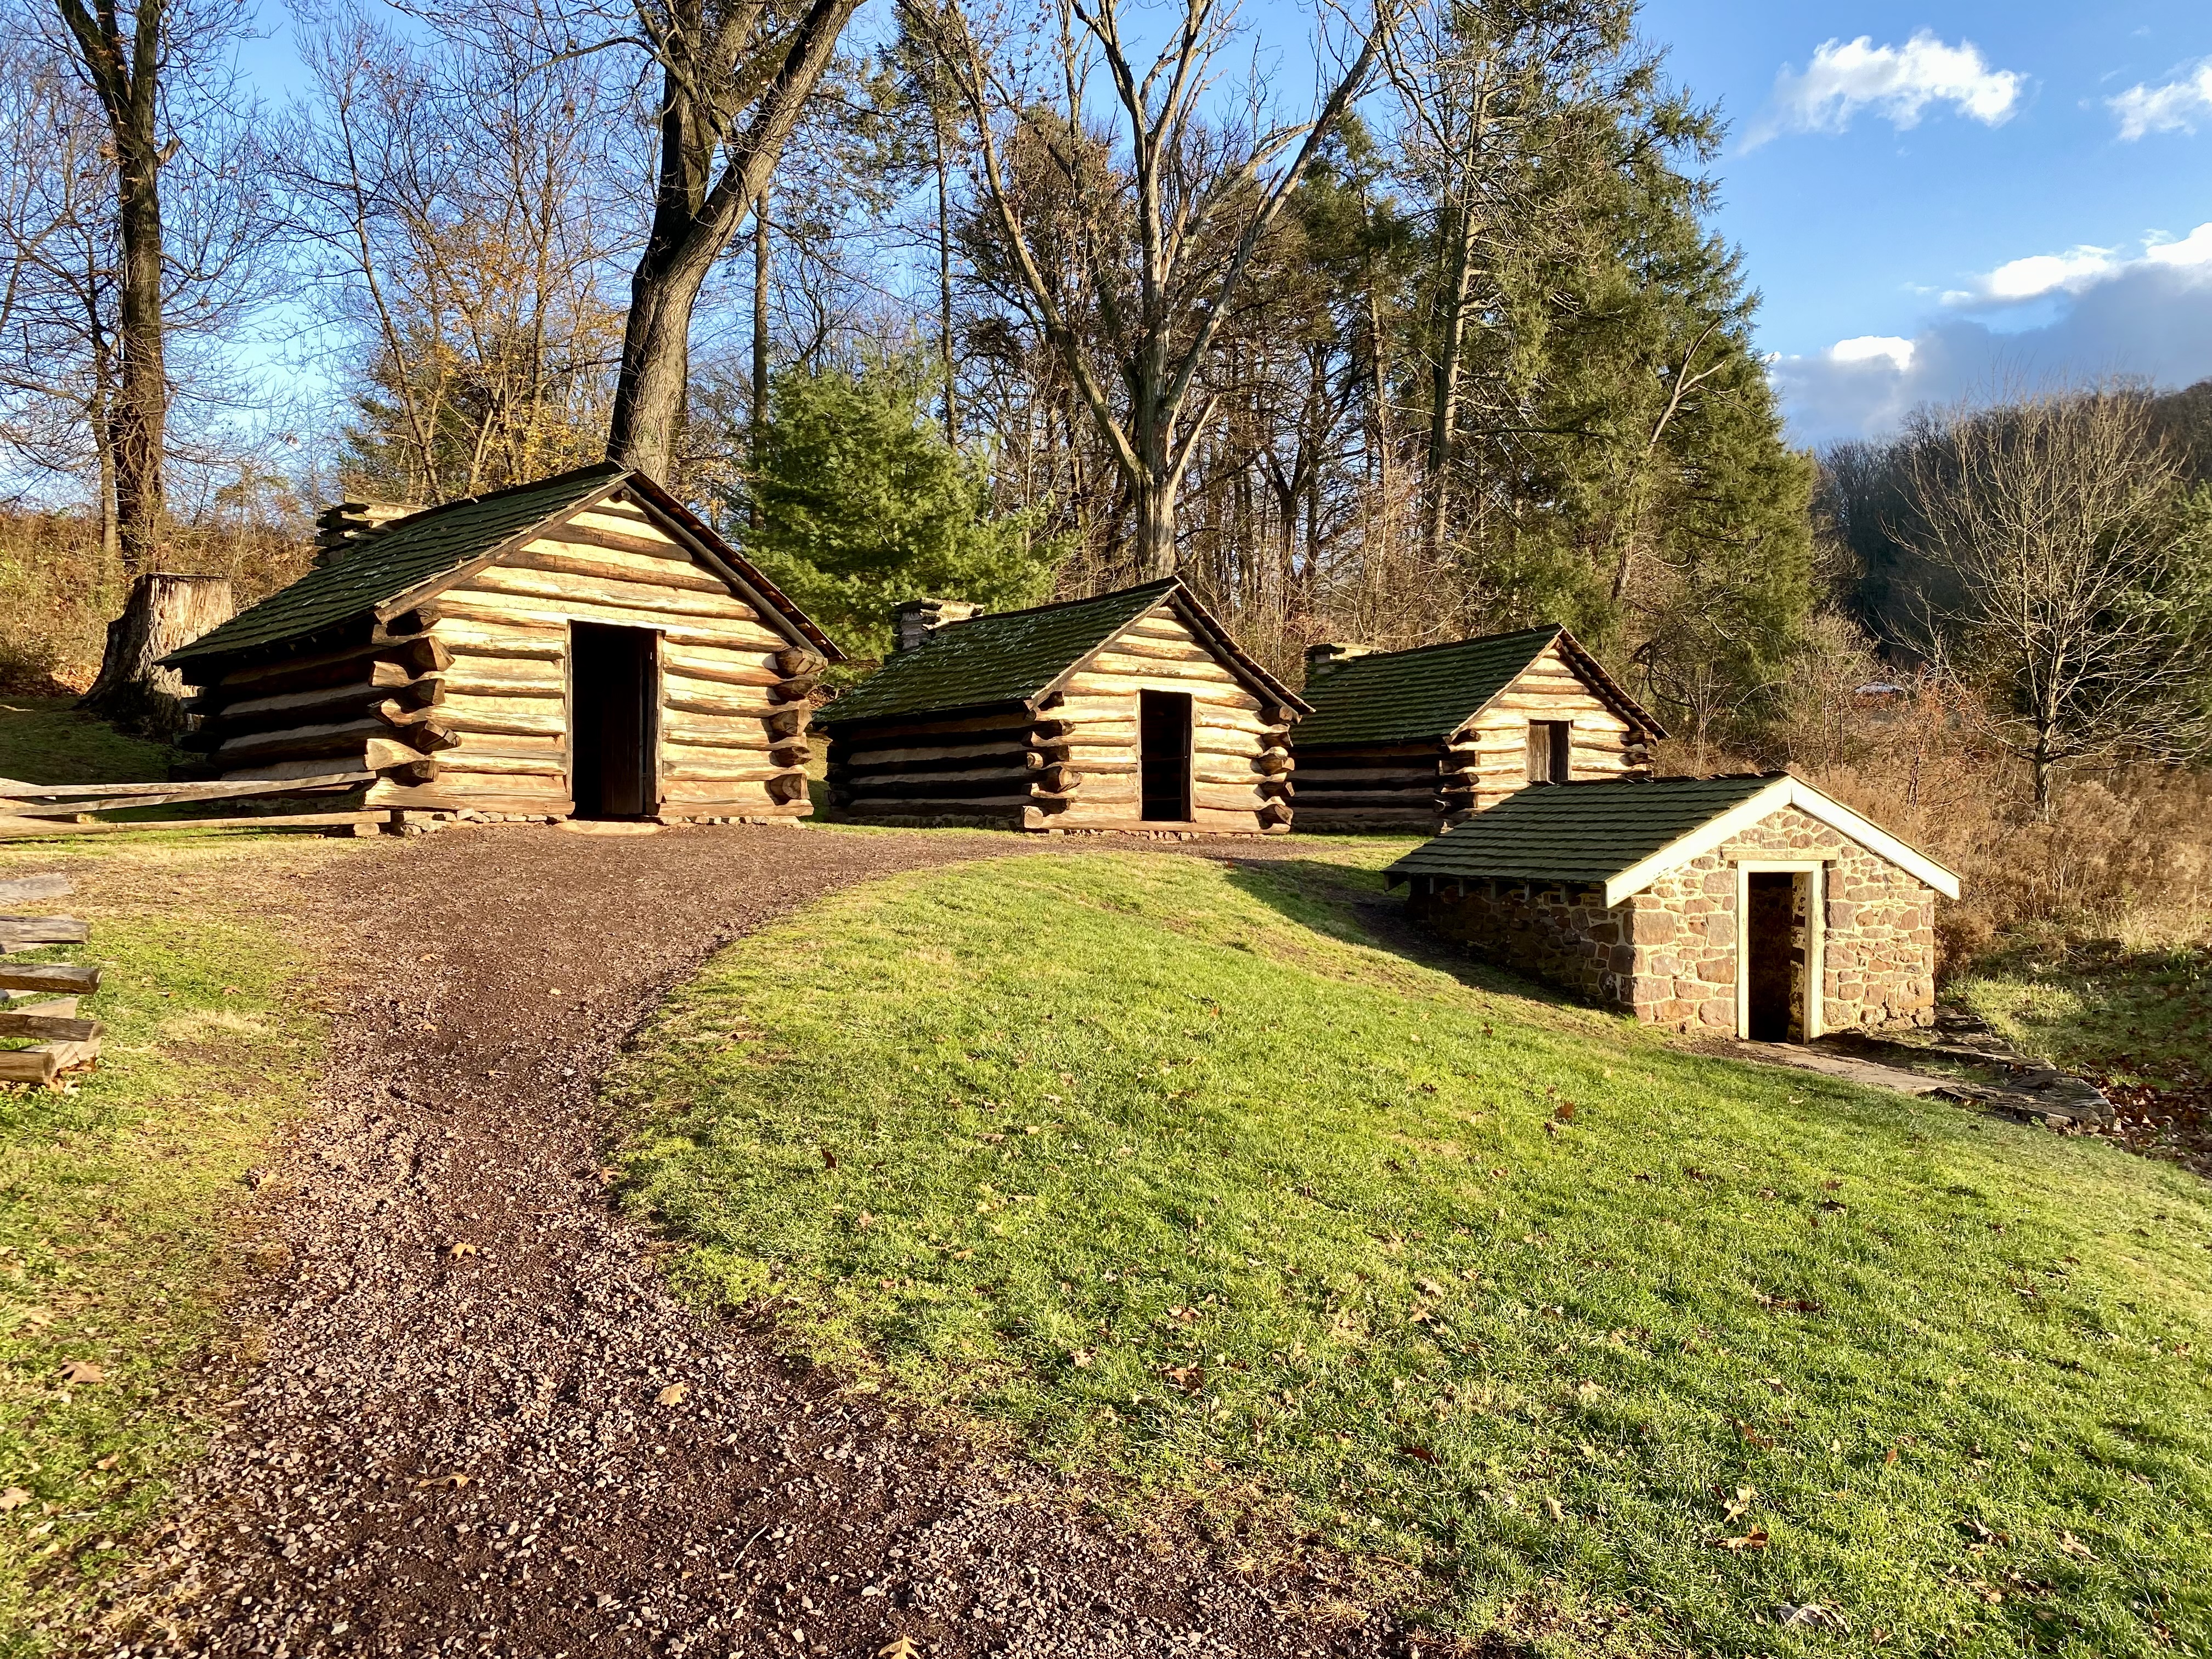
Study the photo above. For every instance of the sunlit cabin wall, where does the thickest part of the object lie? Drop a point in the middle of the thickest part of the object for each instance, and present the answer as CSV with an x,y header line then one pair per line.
x,y
1427,785
1240,766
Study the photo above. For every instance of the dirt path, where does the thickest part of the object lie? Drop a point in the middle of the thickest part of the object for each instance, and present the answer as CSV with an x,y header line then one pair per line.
x,y
457,1443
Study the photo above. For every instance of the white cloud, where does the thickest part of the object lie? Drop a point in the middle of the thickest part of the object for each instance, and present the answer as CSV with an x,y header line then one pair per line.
x,y
2176,107
1897,82
1891,349
2149,315
2075,271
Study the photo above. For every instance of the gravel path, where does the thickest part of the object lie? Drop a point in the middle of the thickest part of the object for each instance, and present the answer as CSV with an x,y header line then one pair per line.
x,y
484,1426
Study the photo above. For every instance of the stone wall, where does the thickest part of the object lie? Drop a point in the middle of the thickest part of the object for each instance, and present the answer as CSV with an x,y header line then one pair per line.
x,y
1668,953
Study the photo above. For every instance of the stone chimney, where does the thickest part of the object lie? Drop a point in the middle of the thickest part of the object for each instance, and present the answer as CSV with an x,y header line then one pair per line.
x,y
337,527
915,620
1322,660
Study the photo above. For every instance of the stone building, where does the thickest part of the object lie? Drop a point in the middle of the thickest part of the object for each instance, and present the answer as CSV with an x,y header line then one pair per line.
x,y
1753,905
1418,739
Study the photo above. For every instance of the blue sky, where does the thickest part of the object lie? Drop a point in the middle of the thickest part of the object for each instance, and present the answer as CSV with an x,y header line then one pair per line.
x,y
1935,201
2009,199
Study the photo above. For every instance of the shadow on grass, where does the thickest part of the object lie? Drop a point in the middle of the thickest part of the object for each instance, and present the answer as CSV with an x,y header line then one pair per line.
x,y
1352,904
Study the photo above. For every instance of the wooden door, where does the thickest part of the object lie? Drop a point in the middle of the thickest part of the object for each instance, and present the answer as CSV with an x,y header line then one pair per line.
x,y
614,698
1164,755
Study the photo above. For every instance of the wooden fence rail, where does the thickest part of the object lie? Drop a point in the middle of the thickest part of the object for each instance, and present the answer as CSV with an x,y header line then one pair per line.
x,y
38,999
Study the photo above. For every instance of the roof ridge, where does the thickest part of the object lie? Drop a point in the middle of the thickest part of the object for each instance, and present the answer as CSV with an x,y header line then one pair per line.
x,y
608,466
1162,583
1446,645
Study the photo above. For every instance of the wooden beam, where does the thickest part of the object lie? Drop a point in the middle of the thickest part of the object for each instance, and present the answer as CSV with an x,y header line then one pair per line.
x,y
22,829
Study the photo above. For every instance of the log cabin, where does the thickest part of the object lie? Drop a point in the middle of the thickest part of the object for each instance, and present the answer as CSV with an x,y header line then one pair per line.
x,y
1418,739
1133,711
578,647
1755,905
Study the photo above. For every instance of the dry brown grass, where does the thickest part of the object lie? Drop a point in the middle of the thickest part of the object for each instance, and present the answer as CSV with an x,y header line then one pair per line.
x,y
2126,853
58,590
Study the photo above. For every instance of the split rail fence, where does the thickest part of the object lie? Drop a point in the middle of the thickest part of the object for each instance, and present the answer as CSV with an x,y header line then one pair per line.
x,y
37,812
38,999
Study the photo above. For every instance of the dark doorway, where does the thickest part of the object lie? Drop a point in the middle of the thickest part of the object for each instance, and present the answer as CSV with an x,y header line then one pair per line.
x,y
1163,754
1551,751
1774,955
613,696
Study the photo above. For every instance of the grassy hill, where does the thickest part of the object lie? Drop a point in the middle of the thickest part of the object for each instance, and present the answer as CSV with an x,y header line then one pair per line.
x,y
1567,1336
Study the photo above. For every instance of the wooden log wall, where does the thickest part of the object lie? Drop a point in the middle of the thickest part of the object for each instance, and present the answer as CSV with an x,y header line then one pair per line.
x,y
463,703
1075,765
976,770
1428,784
371,704
1241,765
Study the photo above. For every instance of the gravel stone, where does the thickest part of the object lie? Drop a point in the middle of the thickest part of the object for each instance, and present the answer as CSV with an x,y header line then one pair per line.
x,y
458,1440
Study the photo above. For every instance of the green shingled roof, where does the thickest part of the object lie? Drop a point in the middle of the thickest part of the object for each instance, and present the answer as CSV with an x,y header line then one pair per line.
x,y
414,551
1400,697
1580,832
988,661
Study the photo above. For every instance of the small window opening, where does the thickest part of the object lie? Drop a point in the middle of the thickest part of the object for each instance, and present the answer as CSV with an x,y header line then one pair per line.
x,y
1551,751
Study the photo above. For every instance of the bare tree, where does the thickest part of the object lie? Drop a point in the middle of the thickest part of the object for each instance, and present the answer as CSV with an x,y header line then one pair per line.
x,y
735,76
133,57
131,223
2083,578
460,205
1158,222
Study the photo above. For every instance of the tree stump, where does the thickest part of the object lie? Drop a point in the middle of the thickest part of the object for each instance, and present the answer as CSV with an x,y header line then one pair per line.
x,y
165,613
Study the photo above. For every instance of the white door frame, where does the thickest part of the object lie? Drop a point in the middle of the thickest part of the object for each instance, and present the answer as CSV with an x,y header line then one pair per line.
x,y
1816,913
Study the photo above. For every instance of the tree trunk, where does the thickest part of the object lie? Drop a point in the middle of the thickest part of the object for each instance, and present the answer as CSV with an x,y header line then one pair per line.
x,y
1154,498
761,250
165,613
944,275
1443,414
126,78
696,212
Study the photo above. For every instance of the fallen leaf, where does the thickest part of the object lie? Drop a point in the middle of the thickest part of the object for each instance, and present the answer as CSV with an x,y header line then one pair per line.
x,y
2067,1542
899,1647
829,1159
1552,1507
1428,1287
1080,1358
1421,1453
864,1221
1891,1457
1565,1111
1740,1503
14,1498
673,1394
83,1370
451,1482
1189,1378
1750,1540
109,1462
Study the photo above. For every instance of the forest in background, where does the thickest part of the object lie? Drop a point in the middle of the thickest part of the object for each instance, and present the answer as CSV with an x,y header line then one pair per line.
x,y
1006,305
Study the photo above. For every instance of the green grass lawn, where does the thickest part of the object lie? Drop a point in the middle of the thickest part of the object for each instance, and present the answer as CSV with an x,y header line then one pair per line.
x,y
2140,1018
44,740
116,1241
1569,1336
